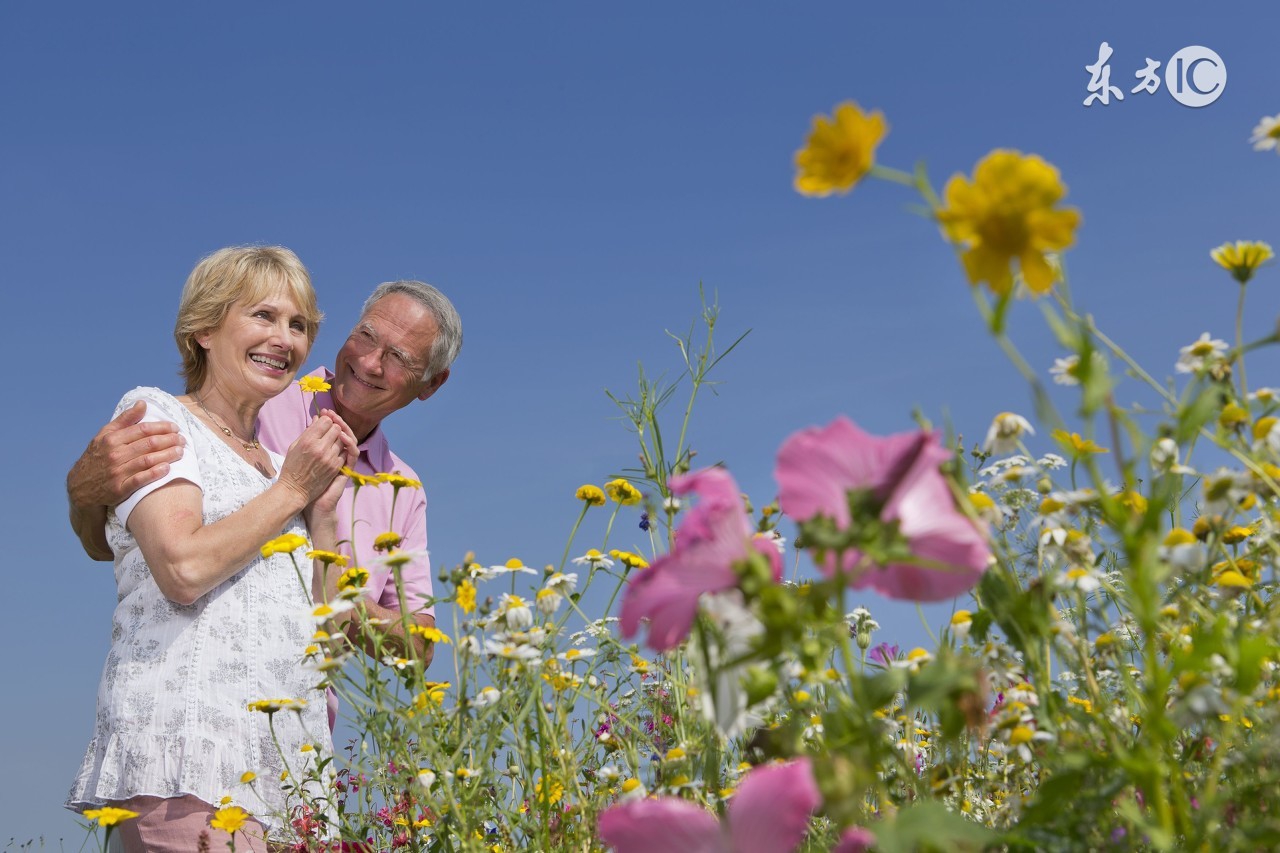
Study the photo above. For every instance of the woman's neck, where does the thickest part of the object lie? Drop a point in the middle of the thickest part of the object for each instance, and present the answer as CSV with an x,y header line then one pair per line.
x,y
236,413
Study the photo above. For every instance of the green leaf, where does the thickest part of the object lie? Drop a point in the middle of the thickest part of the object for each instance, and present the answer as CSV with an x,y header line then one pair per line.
x,y
930,826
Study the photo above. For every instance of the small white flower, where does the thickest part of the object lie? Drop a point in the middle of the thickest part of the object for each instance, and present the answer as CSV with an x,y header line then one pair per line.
x,y
486,697
321,613
562,583
576,655
509,567
1080,579
467,646
426,777
511,651
1063,370
593,559
1051,462
1199,355
548,601
1266,136
515,612
1005,432
671,504
1265,395
608,774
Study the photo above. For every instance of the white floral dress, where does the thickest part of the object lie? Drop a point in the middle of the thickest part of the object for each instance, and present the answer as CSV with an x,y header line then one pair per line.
x,y
173,701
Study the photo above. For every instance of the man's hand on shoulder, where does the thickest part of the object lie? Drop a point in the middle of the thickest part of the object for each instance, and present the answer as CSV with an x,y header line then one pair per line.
x,y
125,455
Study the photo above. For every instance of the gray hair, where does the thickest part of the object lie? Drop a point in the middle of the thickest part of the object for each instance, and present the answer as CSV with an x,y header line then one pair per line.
x,y
448,340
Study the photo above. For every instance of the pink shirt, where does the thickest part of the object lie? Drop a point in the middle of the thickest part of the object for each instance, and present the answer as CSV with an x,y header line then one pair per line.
x,y
284,418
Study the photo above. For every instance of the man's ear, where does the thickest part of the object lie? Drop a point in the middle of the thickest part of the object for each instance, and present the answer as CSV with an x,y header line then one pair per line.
x,y
433,384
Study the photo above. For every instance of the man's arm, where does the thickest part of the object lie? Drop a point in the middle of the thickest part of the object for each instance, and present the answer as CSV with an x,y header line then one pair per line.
x,y
125,455
390,637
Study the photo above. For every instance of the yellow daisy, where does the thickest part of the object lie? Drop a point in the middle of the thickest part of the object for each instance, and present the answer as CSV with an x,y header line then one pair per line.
x,y
839,151
1008,212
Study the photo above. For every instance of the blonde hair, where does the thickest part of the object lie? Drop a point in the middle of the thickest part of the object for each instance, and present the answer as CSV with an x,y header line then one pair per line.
x,y
231,275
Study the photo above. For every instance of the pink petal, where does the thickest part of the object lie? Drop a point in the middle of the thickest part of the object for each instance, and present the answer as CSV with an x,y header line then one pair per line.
x,y
856,839
770,812
817,466
719,510
667,592
936,531
714,535
664,825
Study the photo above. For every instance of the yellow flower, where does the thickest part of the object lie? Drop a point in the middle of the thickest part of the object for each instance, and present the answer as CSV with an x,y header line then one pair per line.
x,y
1232,578
398,481
229,819
270,706
353,578
358,478
839,151
434,635
1236,534
552,793
387,541
313,384
1007,213
623,492
467,596
109,815
247,777
284,544
1242,258
591,494
1232,416
307,747
634,561
329,558
1020,735
1133,501
1075,445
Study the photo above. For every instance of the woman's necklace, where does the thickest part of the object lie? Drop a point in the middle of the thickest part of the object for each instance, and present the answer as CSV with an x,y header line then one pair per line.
x,y
252,444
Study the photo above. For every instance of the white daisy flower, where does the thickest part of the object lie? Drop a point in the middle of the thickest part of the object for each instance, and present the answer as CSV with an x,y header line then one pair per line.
x,y
1266,136
1197,356
509,567
1005,432
1063,370
486,697
515,612
1265,395
576,655
511,651
323,612
593,559
565,584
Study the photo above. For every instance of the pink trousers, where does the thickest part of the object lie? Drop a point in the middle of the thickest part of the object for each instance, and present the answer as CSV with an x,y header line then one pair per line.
x,y
174,824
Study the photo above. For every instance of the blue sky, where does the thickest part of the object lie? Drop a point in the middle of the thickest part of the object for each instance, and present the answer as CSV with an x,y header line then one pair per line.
x,y
568,174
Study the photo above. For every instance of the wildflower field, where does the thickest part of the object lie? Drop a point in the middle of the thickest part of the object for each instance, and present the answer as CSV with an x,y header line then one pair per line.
x,y
1108,678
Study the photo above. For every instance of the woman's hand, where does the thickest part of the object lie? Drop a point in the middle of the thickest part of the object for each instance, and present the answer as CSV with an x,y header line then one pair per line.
x,y
314,460
320,513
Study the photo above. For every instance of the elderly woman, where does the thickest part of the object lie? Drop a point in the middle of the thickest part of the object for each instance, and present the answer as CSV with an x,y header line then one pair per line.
x,y
205,625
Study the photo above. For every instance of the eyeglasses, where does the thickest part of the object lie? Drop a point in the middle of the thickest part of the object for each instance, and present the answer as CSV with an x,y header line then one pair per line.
x,y
364,341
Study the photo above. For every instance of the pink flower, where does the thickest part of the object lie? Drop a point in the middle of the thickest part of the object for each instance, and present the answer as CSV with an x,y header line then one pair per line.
x,y
856,839
715,534
897,479
769,814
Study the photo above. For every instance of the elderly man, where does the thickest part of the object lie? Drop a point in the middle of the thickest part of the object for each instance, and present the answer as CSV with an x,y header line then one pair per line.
x,y
400,351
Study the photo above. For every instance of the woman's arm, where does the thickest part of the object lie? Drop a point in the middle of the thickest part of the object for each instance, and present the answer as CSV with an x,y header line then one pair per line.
x,y
188,558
